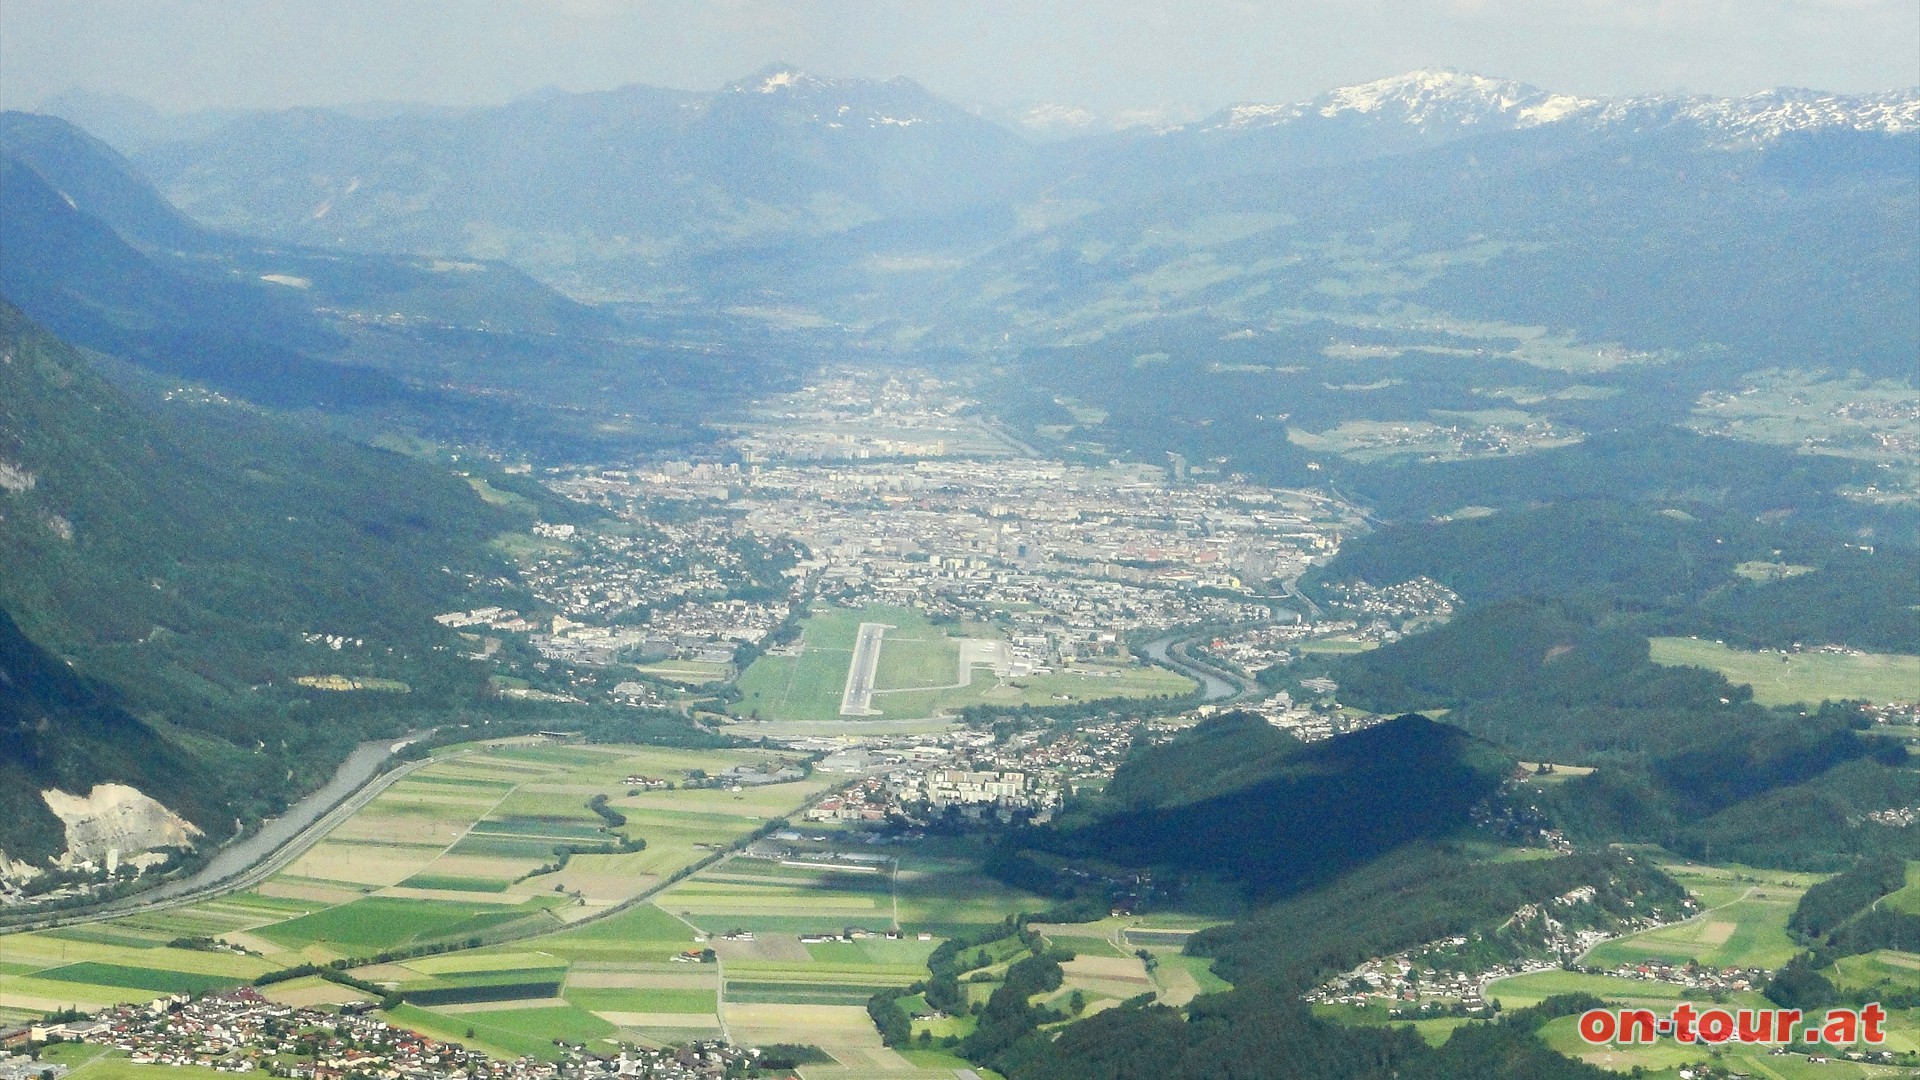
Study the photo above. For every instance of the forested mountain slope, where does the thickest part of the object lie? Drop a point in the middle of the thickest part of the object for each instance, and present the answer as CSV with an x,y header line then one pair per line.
x,y
193,554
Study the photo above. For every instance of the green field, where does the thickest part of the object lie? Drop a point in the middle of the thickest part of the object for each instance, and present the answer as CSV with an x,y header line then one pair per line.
x,y
116,1067
1744,923
1800,678
435,857
1886,971
919,663
689,672
808,687
1746,933
159,980
378,923
934,892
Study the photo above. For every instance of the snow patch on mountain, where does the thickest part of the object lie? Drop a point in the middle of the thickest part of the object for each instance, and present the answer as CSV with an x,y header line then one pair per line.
x,y
1450,98
1764,117
1444,100
1424,99
1054,119
16,478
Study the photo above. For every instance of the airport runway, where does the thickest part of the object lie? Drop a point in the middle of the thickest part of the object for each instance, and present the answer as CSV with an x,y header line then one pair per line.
x,y
857,698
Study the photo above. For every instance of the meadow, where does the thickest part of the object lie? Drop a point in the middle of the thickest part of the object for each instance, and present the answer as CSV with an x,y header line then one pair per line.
x,y
1800,678
1744,924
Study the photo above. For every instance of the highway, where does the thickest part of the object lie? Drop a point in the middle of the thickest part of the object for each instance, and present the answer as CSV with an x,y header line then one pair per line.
x,y
280,841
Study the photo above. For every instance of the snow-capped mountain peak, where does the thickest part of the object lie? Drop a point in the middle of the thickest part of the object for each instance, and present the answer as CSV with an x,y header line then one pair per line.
x,y
1766,116
1442,100
1428,99
839,103
1450,97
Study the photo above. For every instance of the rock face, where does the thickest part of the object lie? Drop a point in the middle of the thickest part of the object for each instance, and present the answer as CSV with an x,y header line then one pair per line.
x,y
117,818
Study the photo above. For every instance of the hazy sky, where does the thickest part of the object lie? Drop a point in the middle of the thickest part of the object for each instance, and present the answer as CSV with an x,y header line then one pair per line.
x,y
184,54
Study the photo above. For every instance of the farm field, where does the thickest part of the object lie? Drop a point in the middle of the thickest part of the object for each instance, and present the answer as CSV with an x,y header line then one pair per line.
x,y
918,669
1800,678
933,890
442,856
72,968
1107,968
1885,972
1744,926
616,979
690,672
450,854
1809,410
1666,1057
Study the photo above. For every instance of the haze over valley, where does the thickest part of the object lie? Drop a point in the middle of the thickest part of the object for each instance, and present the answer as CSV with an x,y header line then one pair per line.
x,y
814,578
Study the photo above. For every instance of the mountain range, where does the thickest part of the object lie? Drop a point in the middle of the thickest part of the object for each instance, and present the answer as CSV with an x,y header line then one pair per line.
x,y
472,350
216,340
436,266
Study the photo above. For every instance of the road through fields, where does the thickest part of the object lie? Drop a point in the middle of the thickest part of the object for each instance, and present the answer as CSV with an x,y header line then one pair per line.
x,y
280,840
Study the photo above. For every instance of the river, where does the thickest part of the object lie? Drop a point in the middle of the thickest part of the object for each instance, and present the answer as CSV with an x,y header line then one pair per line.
x,y
1213,687
362,765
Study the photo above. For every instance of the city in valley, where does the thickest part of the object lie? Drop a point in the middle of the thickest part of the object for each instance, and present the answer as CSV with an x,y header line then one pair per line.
x,y
907,635
929,632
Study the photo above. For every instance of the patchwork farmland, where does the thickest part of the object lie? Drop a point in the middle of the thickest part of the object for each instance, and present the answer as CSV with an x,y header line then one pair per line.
x,y
450,889
450,875
459,853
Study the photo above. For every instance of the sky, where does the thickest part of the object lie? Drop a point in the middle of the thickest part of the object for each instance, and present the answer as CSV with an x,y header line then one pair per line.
x,y
1194,55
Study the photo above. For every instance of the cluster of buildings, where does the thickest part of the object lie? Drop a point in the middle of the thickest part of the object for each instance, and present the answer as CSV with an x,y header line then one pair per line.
x,y
906,781
492,618
1538,937
242,1031
1689,975
1403,605
644,563
867,488
1310,721
1899,712
1432,441
858,416
1256,648
1073,557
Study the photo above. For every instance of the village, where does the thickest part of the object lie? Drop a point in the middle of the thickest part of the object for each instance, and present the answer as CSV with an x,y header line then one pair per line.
x,y
1450,976
905,782
245,1031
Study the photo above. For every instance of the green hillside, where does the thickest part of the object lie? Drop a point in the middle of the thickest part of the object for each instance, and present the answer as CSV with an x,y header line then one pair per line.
x,y
188,554
1294,817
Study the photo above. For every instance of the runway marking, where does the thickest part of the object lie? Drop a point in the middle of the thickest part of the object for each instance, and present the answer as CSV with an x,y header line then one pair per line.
x,y
857,698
